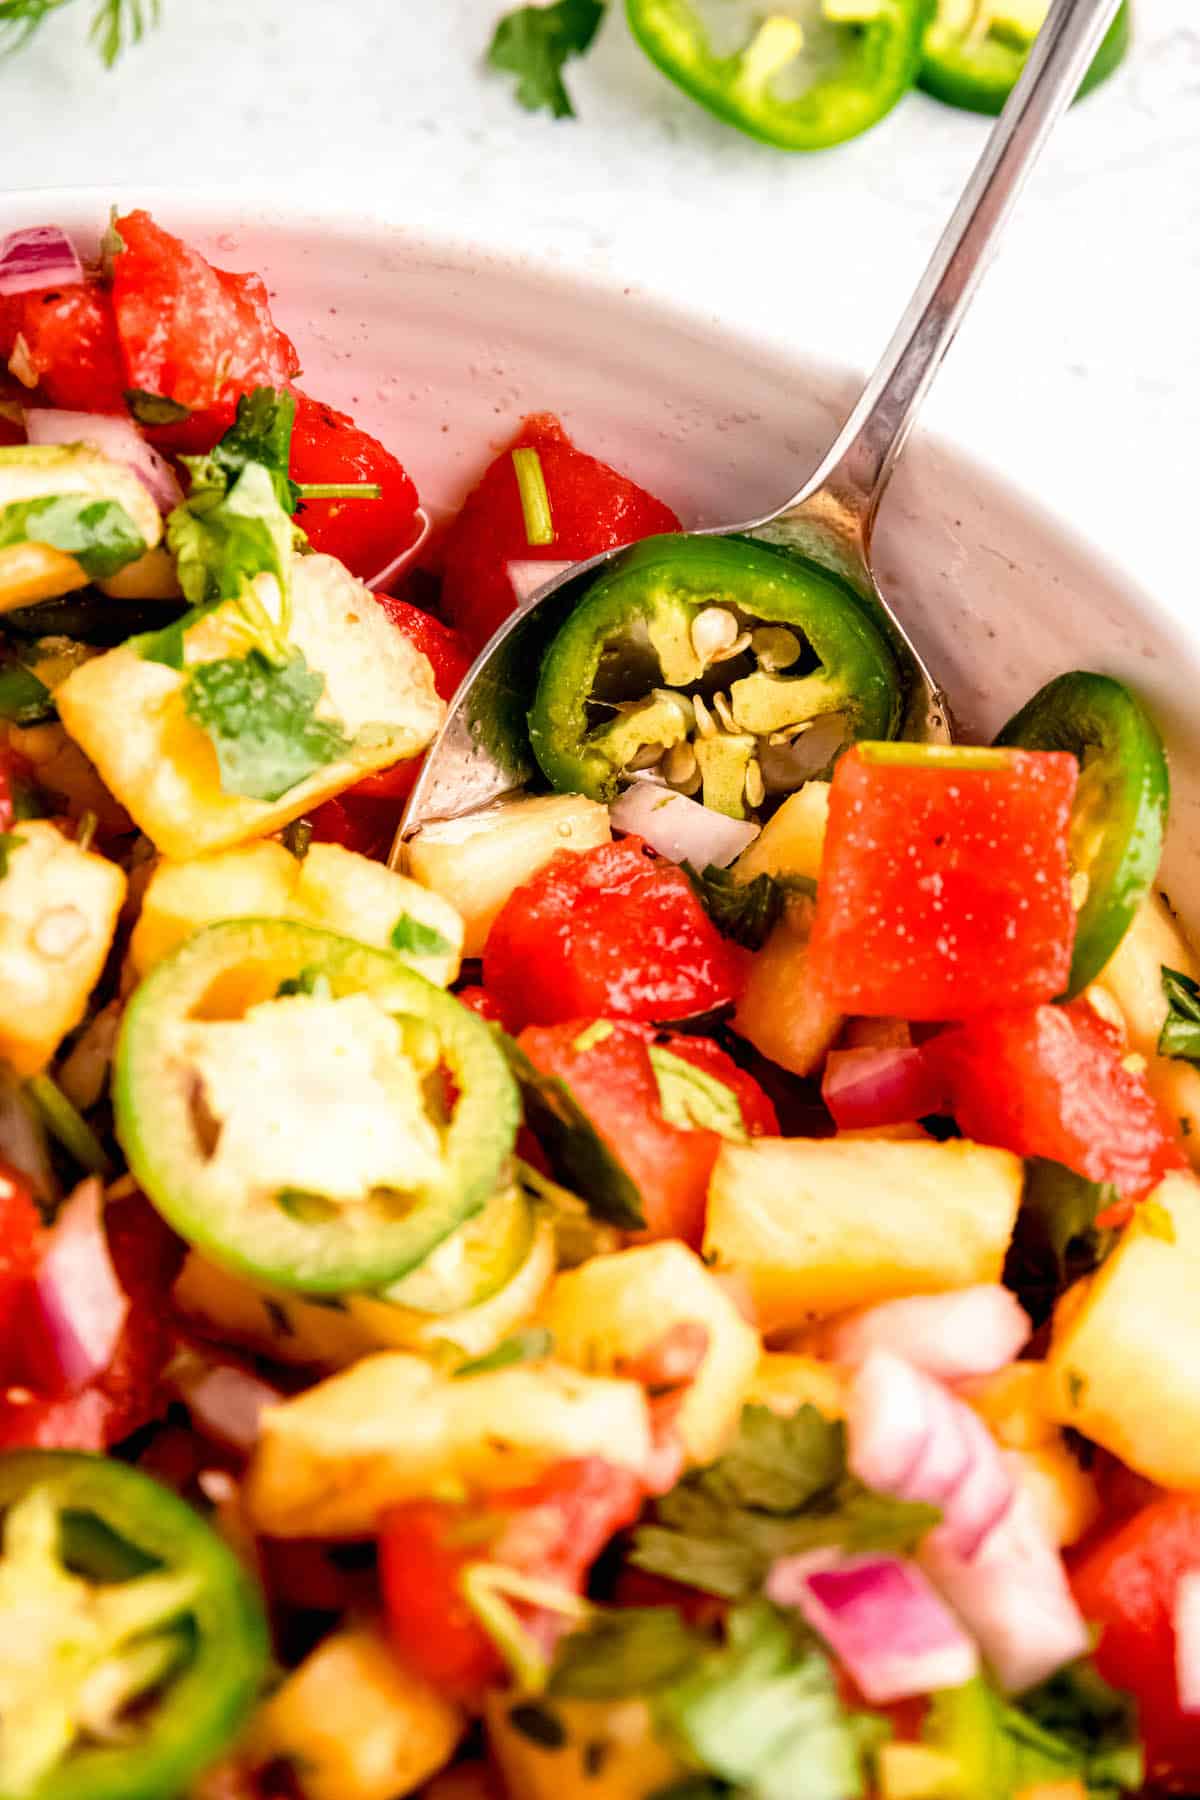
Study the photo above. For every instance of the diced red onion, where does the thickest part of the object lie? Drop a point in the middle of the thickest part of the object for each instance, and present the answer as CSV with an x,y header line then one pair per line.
x,y
909,1436
41,256
527,576
81,1307
680,829
972,1331
1187,1641
863,1088
399,563
225,1400
113,436
881,1618
1013,1597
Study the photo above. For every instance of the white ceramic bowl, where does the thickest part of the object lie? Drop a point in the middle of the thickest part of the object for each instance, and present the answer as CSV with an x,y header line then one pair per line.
x,y
441,349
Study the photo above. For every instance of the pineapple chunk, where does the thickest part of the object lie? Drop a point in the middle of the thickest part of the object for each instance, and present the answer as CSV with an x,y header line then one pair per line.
x,y
780,1012
785,1382
477,861
793,840
1064,1494
58,912
128,714
31,571
612,1309
1133,978
818,1226
393,1427
1124,1364
357,1722
610,1751
291,1329
284,1327
331,887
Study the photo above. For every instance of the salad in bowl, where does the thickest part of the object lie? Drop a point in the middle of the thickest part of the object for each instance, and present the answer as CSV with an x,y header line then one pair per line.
x,y
679,1283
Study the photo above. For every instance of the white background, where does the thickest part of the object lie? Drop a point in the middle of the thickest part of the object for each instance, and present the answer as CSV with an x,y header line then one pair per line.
x,y
1078,373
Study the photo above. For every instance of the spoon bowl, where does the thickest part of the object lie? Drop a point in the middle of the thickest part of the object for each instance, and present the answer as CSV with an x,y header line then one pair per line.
x,y
483,749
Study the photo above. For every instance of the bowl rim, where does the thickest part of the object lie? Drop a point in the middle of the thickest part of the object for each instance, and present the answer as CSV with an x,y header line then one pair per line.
x,y
255,206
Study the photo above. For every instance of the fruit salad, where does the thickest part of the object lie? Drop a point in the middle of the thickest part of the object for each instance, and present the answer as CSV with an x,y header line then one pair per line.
x,y
681,1282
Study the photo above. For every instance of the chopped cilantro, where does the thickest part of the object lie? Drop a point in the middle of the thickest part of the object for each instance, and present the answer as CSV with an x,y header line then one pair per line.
x,y
99,534
166,646
524,1346
418,939
149,409
115,23
225,534
1076,1387
781,1487
630,1650
263,722
9,841
1072,1730
24,699
746,911
534,42
762,1712
694,1100
598,1032
535,501
1056,1239
1180,1035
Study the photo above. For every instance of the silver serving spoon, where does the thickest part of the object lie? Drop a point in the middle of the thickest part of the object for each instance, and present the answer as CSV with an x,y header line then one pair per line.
x,y
482,750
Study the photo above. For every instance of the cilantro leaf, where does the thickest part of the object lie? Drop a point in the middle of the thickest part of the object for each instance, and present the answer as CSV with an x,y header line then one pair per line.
x,y
149,409
534,42
9,841
1056,1240
762,1711
1072,1728
24,699
579,1157
222,537
523,1346
263,723
694,1100
262,434
99,534
1180,1035
417,939
167,645
746,911
628,1651
782,1487
115,23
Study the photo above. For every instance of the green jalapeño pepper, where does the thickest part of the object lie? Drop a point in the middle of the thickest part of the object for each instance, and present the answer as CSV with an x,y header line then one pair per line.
x,y
1120,812
306,1110
710,660
132,1645
798,82
975,50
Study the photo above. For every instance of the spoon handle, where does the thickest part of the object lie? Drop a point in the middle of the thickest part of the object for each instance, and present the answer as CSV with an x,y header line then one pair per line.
x,y
856,470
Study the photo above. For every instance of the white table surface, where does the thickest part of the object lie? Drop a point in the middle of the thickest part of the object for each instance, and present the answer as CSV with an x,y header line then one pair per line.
x,y
1078,373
